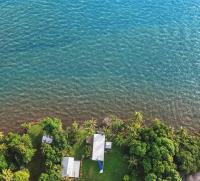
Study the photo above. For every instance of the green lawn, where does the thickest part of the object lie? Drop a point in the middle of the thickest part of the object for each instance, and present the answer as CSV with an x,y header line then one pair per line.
x,y
35,132
36,164
115,167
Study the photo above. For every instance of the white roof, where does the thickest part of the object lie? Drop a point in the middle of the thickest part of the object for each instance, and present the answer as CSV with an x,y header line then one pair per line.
x,y
76,169
98,147
70,168
47,139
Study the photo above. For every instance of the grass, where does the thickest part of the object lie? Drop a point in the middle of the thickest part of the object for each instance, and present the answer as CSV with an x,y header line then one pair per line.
x,y
115,167
36,165
80,144
35,132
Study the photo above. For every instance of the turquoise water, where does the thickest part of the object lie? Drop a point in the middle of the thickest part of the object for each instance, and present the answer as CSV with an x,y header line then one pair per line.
x,y
77,59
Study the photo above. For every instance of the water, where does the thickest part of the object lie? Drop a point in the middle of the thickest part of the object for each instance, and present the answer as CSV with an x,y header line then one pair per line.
x,y
93,58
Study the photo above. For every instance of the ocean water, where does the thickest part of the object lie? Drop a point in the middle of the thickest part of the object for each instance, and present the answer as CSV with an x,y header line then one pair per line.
x,y
78,59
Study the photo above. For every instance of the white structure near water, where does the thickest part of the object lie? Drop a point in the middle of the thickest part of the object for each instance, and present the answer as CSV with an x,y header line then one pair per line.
x,y
47,139
98,147
70,167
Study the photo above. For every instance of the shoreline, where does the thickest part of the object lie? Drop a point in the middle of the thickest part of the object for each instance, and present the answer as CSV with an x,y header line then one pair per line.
x,y
67,123
134,138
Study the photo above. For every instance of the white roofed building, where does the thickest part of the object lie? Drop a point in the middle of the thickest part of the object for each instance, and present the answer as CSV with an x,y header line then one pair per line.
x,y
98,147
70,167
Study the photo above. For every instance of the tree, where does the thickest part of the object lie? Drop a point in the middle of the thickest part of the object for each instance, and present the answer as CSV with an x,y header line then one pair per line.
x,y
151,177
116,124
51,125
53,152
188,157
154,148
133,127
54,174
19,149
87,151
59,141
126,178
73,133
50,155
7,175
138,118
1,135
3,162
138,148
120,140
21,175
132,163
90,126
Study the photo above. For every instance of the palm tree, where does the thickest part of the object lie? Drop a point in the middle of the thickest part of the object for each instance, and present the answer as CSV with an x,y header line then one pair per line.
x,y
120,140
126,178
7,174
132,163
75,127
90,126
2,147
138,117
1,135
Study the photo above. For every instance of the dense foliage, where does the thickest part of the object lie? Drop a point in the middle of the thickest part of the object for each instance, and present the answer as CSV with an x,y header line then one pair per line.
x,y
156,152
188,157
19,149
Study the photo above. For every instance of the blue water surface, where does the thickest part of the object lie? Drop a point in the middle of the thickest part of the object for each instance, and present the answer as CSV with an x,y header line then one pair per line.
x,y
78,59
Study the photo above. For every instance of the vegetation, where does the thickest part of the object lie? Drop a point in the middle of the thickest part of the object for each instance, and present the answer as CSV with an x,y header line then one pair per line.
x,y
21,175
153,152
19,149
52,153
